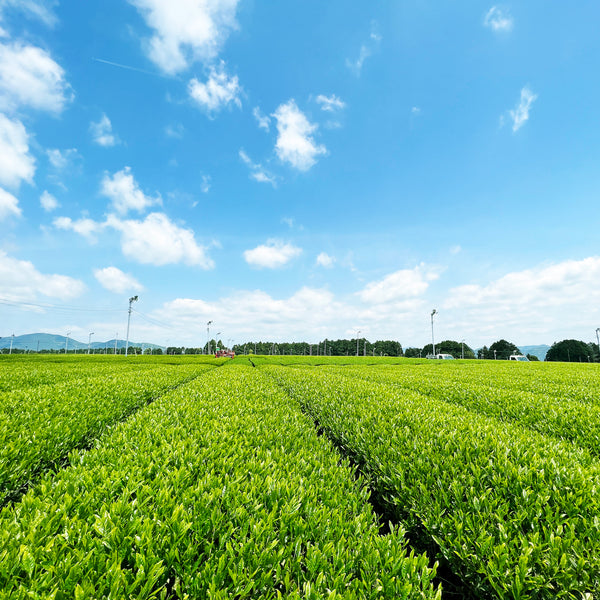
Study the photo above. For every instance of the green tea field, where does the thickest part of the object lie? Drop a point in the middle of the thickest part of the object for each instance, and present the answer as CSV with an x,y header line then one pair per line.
x,y
298,477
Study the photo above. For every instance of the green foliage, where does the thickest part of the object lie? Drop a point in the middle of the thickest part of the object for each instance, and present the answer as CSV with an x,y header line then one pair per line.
x,y
501,350
569,351
40,425
449,347
322,348
514,512
219,489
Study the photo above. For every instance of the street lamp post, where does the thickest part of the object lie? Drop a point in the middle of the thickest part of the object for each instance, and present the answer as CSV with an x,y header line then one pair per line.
x,y
208,337
433,312
90,341
131,301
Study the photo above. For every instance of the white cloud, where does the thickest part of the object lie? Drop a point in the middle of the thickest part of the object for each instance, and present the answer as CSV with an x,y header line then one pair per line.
x,y
30,77
367,49
16,164
295,144
158,241
219,91
38,9
114,280
400,285
186,30
263,121
330,103
88,228
48,202
9,205
271,255
175,130
64,159
255,314
124,192
325,260
257,172
205,185
520,115
21,281
545,303
102,132
498,19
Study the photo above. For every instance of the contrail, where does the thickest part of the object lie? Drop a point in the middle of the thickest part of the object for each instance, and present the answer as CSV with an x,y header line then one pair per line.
x,y
114,64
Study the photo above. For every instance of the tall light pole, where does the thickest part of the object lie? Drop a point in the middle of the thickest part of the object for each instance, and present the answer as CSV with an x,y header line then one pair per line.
x,y
67,342
116,339
131,301
598,338
433,312
357,334
462,348
208,337
12,337
90,340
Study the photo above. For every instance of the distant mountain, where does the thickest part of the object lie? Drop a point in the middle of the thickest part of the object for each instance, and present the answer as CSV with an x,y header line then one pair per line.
x,y
49,341
539,351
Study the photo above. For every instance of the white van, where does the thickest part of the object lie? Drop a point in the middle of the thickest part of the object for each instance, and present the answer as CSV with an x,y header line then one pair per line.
x,y
518,357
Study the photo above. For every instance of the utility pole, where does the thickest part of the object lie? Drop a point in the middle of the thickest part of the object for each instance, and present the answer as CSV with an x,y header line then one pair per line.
x,y
67,342
116,338
462,348
12,337
433,312
208,337
357,334
598,338
131,301
90,340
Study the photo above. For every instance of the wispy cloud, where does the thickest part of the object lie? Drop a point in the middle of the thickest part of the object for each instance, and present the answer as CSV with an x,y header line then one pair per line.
x,y
102,132
520,115
217,92
498,19
263,120
367,49
325,260
295,144
330,103
48,202
257,172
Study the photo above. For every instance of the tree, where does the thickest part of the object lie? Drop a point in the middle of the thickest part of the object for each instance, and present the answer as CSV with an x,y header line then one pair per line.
x,y
412,352
532,357
503,350
569,351
450,347
483,353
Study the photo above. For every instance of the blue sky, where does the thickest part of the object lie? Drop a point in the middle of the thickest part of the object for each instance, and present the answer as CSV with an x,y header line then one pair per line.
x,y
300,170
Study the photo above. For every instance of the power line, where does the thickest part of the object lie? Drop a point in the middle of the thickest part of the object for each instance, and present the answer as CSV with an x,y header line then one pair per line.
x,y
21,304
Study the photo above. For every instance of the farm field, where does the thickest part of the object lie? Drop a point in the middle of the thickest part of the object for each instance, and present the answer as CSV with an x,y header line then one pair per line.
x,y
298,477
